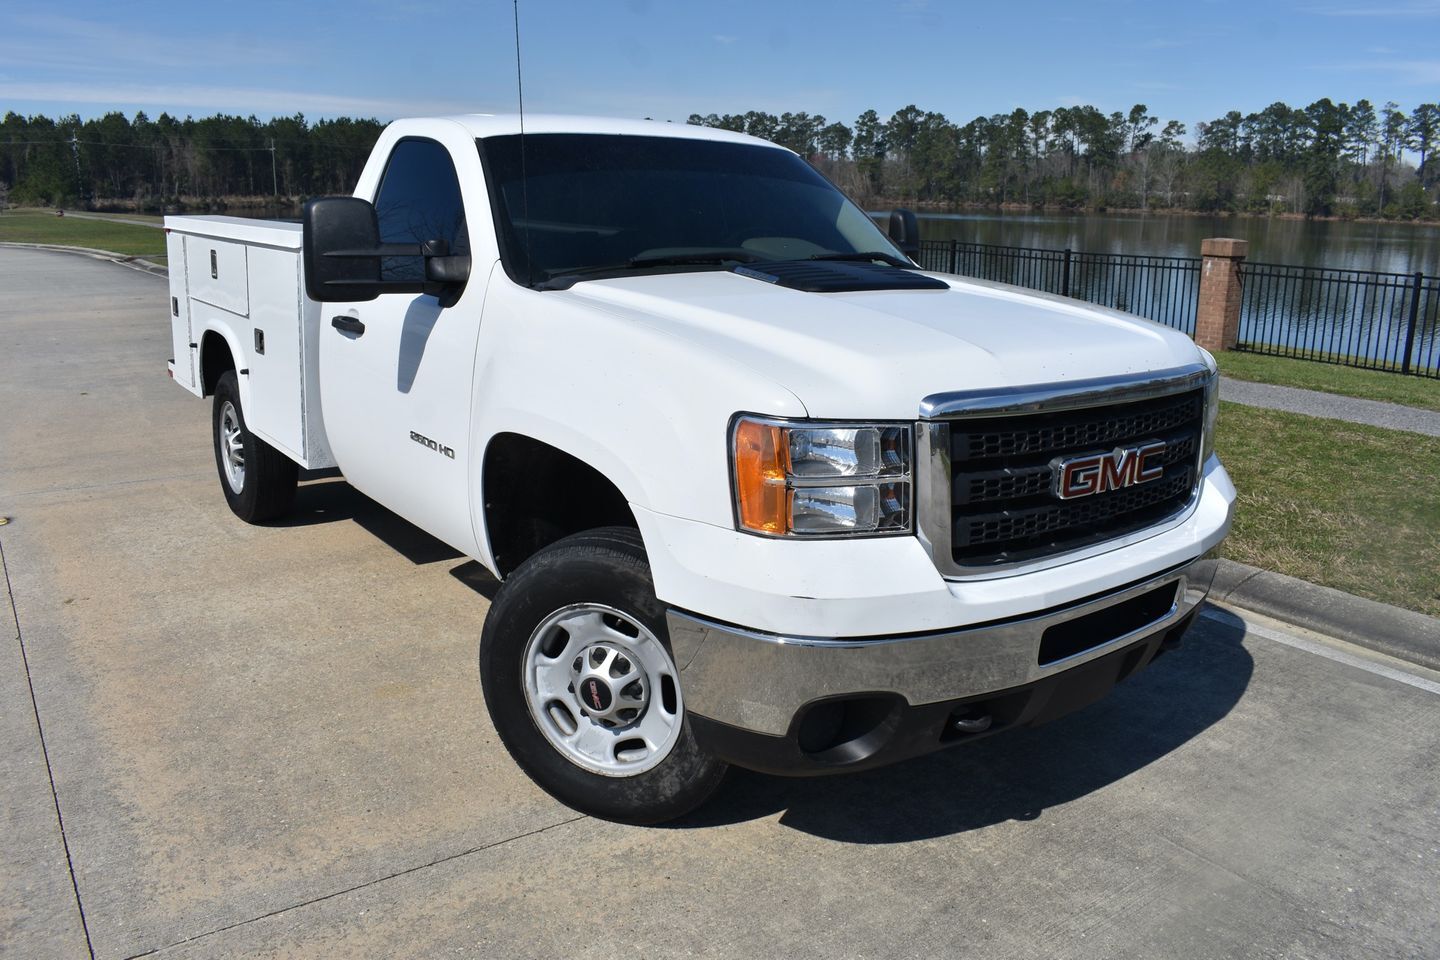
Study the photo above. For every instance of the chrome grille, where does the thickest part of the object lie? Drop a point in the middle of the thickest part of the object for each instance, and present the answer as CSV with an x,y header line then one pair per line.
x,y
1003,507
1014,436
1012,483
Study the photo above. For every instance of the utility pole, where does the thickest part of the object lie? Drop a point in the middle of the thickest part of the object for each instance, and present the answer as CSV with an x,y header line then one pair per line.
x,y
274,181
75,152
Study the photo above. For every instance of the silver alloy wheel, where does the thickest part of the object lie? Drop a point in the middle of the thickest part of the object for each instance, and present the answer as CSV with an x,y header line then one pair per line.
x,y
232,447
602,689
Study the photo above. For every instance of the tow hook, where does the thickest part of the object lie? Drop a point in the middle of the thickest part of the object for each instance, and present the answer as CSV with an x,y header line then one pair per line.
x,y
977,724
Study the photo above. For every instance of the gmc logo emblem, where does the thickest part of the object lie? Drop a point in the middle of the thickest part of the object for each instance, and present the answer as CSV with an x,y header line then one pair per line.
x,y
1073,477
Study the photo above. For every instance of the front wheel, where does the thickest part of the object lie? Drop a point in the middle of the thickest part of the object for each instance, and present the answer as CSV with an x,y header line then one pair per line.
x,y
258,480
581,686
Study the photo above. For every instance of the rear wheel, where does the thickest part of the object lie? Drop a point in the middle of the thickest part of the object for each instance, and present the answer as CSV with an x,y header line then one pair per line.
x,y
258,480
581,686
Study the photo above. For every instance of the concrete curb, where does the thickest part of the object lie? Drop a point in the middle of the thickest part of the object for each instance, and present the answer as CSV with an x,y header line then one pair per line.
x,y
1405,634
134,263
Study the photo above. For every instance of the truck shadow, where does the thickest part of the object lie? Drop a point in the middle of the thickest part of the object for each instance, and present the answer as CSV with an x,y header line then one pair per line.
x,y
1015,775
329,499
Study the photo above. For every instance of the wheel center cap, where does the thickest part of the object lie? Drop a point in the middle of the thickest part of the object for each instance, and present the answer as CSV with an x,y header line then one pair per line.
x,y
596,694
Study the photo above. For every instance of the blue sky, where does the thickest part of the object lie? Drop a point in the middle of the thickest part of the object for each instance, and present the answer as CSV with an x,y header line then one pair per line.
x,y
1190,60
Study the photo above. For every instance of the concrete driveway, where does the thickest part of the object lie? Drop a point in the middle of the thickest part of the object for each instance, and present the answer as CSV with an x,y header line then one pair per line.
x,y
222,740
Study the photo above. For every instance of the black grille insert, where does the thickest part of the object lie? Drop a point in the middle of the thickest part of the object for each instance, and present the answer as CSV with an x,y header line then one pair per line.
x,y
1003,507
1090,631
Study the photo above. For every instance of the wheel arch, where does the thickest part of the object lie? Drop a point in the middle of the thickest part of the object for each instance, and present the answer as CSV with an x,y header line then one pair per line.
x,y
534,492
220,351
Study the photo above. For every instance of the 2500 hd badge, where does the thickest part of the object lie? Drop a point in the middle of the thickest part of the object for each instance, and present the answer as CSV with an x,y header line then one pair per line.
x,y
425,441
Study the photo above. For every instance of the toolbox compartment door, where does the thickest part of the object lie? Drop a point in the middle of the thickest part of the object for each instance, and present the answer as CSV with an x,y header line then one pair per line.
x,y
273,338
182,352
217,273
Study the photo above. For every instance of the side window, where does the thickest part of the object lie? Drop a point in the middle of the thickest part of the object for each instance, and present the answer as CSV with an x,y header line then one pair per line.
x,y
419,200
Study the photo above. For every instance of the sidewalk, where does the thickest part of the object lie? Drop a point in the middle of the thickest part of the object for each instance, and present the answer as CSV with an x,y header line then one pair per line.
x,y
1314,403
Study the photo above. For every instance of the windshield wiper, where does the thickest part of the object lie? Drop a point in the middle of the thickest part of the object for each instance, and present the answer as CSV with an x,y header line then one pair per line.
x,y
698,257
565,279
889,258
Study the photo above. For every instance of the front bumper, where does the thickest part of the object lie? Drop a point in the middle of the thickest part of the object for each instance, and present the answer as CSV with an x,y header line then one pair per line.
x,y
889,586
813,705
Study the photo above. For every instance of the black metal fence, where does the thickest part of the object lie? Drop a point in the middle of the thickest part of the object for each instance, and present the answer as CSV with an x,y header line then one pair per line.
x,y
1360,318
1163,289
1381,321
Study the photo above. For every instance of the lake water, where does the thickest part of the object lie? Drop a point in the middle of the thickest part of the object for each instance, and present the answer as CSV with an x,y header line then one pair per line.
x,y
1389,247
1369,320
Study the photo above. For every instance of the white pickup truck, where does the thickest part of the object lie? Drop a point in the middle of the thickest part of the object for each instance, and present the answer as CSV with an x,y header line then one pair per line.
x,y
760,491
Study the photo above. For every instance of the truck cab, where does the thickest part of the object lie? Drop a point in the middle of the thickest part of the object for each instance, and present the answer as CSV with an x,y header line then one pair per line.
x,y
760,490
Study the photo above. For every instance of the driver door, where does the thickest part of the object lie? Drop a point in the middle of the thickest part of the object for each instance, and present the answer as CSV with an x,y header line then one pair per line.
x,y
396,372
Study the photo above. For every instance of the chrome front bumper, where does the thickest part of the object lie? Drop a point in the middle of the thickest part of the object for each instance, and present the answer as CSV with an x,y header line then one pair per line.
x,y
760,682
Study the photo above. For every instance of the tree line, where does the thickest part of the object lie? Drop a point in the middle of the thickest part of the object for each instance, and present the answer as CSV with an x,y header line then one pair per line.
x,y
1323,159
149,164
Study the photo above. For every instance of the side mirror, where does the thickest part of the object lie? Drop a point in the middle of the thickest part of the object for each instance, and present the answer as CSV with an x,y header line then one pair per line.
x,y
905,231
344,258
339,236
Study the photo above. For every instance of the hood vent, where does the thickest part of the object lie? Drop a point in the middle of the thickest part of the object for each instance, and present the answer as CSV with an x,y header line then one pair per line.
x,y
821,276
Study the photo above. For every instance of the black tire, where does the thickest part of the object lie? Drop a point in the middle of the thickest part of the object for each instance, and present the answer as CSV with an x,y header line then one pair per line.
x,y
605,566
268,477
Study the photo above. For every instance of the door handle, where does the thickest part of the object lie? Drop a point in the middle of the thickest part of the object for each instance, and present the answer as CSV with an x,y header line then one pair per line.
x,y
349,325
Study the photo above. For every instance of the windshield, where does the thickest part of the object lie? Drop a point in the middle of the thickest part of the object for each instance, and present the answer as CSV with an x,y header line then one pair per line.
x,y
590,204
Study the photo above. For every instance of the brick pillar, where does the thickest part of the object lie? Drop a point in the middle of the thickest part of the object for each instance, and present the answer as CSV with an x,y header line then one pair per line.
x,y
1217,321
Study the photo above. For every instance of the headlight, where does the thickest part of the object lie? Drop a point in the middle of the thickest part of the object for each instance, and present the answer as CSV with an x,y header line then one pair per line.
x,y
1212,407
821,480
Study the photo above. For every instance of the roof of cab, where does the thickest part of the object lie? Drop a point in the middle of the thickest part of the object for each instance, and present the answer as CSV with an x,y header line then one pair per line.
x,y
501,124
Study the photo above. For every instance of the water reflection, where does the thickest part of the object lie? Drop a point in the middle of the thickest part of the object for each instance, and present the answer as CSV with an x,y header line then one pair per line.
x,y
1390,247
1308,289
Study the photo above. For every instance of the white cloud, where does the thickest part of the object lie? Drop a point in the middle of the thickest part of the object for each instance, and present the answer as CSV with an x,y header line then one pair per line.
x,y
66,43
1418,72
724,39
241,100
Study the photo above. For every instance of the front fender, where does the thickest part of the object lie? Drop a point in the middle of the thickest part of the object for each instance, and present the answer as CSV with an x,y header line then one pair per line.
x,y
647,409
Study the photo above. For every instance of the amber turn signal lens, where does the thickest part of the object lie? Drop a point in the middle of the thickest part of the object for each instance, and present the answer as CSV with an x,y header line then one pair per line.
x,y
760,467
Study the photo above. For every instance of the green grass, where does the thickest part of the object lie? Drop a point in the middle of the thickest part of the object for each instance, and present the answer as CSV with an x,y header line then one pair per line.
x,y
1332,378
123,238
154,218
1348,506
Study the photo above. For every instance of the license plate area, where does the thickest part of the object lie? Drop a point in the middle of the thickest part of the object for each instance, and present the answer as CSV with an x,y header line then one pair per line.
x,y
1073,637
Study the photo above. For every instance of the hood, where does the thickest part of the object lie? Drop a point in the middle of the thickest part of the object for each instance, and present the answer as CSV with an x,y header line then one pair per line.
x,y
876,354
